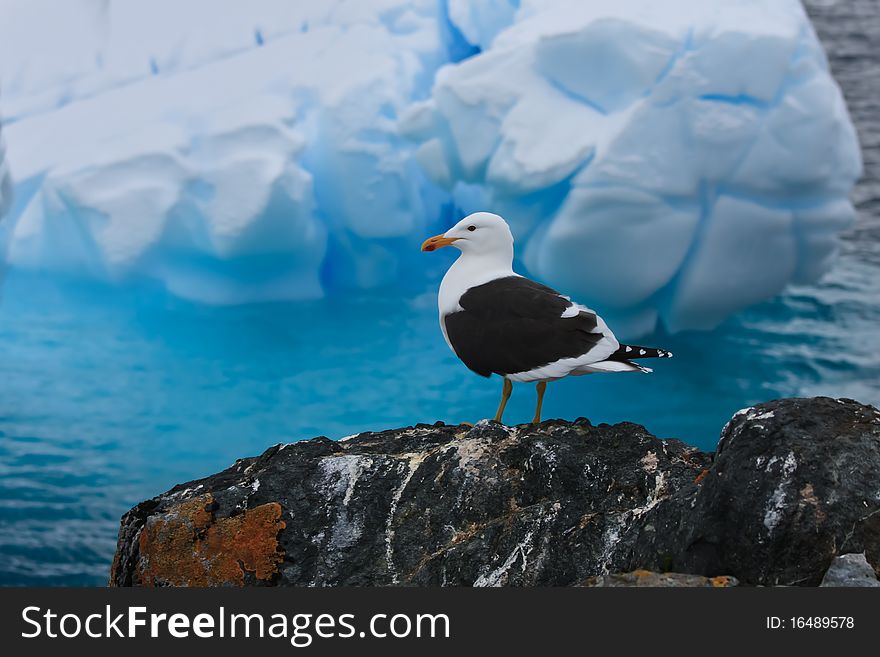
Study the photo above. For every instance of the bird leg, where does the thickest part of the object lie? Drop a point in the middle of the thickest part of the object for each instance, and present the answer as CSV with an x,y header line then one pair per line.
x,y
505,395
542,386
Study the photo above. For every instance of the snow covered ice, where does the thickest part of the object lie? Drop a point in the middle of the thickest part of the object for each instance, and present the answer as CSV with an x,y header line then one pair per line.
x,y
669,163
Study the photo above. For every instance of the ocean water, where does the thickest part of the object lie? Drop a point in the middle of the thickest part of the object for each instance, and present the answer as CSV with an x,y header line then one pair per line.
x,y
110,396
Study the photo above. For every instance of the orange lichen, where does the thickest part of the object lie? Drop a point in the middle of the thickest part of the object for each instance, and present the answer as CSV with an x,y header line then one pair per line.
x,y
649,578
808,498
114,568
722,581
701,476
186,546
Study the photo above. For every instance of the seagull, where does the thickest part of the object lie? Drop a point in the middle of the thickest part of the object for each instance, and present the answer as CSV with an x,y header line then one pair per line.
x,y
499,322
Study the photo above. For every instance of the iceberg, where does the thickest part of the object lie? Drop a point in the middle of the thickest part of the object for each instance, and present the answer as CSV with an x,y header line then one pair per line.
x,y
669,163
5,178
232,161
5,202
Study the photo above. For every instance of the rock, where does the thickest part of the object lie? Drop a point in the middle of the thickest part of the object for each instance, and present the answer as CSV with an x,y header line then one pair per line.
x,y
851,570
428,505
792,486
647,578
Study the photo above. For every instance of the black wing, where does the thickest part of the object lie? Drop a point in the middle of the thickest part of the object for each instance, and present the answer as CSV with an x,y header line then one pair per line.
x,y
513,325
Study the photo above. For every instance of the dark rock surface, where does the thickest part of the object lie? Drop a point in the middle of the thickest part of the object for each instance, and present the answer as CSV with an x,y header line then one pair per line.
x,y
794,484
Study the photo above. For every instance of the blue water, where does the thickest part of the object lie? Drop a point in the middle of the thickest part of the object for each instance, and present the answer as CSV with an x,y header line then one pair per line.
x,y
109,396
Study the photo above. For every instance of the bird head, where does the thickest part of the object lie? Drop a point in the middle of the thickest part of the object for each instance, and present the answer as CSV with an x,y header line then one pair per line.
x,y
481,232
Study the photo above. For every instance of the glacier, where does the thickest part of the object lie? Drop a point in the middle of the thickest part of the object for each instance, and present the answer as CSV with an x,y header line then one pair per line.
x,y
668,163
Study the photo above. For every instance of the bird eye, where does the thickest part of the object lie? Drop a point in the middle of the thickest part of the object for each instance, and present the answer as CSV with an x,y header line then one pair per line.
x,y
472,228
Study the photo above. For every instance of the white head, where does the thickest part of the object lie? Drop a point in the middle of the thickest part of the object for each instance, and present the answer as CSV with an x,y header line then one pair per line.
x,y
482,233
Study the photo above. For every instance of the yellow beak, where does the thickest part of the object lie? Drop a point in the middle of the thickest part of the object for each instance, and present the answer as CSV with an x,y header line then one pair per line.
x,y
437,242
